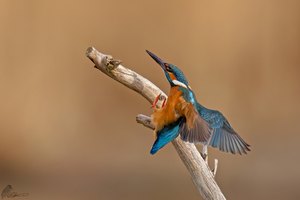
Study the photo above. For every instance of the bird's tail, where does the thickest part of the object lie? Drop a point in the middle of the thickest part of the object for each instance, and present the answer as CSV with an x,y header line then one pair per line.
x,y
166,135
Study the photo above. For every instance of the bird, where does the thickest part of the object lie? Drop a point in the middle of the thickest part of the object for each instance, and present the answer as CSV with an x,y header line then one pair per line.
x,y
182,115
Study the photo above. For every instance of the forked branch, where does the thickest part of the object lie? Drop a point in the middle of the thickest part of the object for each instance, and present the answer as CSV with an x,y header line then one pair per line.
x,y
201,175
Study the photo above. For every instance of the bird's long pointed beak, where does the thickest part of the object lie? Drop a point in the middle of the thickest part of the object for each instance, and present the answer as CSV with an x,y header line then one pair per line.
x,y
157,59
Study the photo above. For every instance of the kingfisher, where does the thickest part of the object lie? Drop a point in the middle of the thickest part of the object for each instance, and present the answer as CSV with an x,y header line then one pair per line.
x,y
181,114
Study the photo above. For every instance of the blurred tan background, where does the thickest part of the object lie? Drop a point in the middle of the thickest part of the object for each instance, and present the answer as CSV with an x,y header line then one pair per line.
x,y
69,132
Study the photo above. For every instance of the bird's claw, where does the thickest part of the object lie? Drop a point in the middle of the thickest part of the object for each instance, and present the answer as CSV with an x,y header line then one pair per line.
x,y
159,97
155,101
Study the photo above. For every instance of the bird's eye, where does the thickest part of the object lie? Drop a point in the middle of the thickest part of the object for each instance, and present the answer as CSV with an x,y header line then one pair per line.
x,y
168,68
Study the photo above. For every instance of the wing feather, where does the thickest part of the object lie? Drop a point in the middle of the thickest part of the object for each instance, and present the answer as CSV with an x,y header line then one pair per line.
x,y
194,129
224,136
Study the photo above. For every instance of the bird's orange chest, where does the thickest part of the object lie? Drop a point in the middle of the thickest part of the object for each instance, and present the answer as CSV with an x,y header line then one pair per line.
x,y
170,112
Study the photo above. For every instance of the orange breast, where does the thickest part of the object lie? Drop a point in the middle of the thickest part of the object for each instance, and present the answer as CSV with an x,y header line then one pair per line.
x,y
172,76
170,112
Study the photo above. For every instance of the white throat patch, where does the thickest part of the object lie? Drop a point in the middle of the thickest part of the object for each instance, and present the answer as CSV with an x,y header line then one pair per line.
x,y
178,83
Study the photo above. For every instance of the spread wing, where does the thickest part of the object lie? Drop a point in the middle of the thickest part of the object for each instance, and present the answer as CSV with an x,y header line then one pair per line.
x,y
194,129
224,136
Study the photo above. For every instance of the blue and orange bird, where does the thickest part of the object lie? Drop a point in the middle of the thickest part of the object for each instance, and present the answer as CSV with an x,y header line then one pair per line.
x,y
183,115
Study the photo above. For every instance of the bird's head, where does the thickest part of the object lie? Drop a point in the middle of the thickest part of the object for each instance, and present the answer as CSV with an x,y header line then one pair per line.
x,y
174,75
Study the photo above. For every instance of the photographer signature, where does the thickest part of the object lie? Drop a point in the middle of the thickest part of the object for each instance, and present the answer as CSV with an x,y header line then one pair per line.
x,y
8,192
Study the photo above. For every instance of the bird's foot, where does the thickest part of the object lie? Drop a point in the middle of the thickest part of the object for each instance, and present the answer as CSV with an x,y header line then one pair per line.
x,y
155,101
164,102
159,97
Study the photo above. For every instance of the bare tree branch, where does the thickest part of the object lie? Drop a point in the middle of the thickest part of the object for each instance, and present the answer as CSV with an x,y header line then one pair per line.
x,y
201,175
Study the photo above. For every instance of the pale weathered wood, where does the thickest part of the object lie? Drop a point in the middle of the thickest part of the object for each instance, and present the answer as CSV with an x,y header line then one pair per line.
x,y
201,175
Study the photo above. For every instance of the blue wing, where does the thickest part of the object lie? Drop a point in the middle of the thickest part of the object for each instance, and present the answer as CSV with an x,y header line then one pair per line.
x,y
166,135
224,137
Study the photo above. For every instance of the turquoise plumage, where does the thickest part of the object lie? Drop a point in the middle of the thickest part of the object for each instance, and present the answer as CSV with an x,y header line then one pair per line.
x,y
166,135
221,134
